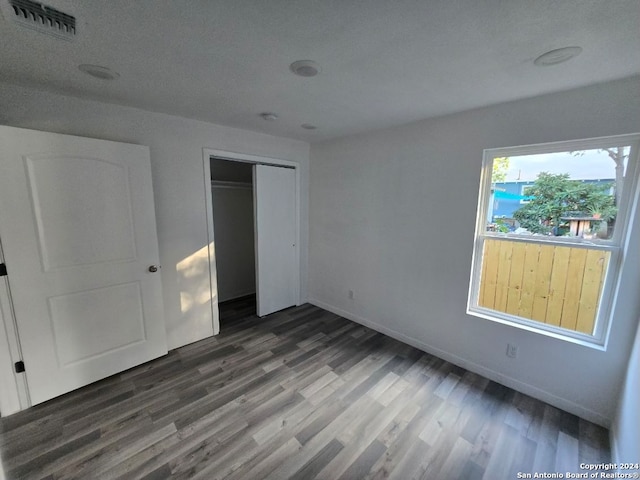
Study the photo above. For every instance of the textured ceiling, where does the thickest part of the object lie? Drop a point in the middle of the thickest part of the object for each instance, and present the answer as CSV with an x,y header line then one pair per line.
x,y
384,62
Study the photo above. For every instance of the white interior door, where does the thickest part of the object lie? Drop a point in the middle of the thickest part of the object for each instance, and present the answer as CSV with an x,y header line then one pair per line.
x,y
276,258
77,224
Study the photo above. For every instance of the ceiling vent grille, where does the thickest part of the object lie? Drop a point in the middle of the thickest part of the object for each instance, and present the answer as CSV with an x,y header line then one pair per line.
x,y
41,18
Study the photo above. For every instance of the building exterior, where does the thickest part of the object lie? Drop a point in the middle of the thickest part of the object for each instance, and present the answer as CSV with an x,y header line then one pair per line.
x,y
510,196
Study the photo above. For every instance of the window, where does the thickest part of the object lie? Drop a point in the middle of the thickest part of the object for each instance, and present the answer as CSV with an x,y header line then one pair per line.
x,y
550,230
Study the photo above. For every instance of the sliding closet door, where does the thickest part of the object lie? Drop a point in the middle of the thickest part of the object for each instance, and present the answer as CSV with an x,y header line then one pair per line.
x,y
275,234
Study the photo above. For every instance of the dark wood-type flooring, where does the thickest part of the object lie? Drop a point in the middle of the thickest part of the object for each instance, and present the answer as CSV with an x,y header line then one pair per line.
x,y
300,394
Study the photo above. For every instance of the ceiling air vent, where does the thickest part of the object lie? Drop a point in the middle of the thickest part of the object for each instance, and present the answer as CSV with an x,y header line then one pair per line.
x,y
40,17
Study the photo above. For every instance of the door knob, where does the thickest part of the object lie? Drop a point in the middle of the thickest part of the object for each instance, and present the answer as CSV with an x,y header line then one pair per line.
x,y
153,268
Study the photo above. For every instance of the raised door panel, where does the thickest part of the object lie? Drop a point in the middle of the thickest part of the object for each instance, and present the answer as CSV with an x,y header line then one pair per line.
x,y
77,316
63,210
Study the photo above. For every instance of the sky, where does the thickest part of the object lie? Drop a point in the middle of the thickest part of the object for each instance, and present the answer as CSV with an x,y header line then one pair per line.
x,y
593,164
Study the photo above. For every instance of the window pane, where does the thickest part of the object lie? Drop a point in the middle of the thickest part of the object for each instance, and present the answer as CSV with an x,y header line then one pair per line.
x,y
556,285
573,193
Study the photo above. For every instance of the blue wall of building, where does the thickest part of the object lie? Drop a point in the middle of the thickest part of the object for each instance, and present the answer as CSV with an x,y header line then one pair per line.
x,y
504,208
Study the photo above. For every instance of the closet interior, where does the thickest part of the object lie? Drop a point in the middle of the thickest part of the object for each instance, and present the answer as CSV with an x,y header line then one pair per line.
x,y
233,220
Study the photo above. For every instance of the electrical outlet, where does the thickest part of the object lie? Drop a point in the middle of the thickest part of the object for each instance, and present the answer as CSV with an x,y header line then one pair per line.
x,y
512,350
350,294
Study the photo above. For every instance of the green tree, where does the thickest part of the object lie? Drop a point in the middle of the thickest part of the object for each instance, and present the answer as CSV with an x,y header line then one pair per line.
x,y
556,196
500,169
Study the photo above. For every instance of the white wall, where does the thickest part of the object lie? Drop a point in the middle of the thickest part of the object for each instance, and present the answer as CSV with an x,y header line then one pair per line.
x,y
392,217
235,248
179,186
625,431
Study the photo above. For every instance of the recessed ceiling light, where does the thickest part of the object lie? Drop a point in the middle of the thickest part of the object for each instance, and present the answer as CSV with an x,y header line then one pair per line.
x,y
268,116
305,68
556,56
308,126
96,71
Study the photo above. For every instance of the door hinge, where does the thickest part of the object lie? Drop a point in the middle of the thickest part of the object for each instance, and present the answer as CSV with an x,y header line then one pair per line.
x,y
3,269
19,366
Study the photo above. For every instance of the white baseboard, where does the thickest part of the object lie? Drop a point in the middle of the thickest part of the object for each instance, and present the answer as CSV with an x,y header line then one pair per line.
x,y
513,383
235,296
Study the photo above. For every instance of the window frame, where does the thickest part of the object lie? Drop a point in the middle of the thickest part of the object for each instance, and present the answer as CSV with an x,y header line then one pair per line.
x,y
617,244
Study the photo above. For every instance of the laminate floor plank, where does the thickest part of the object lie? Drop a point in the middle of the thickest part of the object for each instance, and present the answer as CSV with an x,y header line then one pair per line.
x,y
300,394
266,461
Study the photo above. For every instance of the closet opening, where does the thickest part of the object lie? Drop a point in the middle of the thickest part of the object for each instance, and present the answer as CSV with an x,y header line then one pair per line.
x,y
233,224
253,229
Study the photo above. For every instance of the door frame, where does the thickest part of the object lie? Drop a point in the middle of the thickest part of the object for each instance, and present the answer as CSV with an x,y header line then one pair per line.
x,y
15,394
207,154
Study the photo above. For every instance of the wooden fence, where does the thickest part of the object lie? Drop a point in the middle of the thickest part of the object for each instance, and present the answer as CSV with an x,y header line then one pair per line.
x,y
551,284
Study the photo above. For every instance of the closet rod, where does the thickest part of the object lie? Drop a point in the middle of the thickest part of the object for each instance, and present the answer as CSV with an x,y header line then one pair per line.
x,y
222,184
